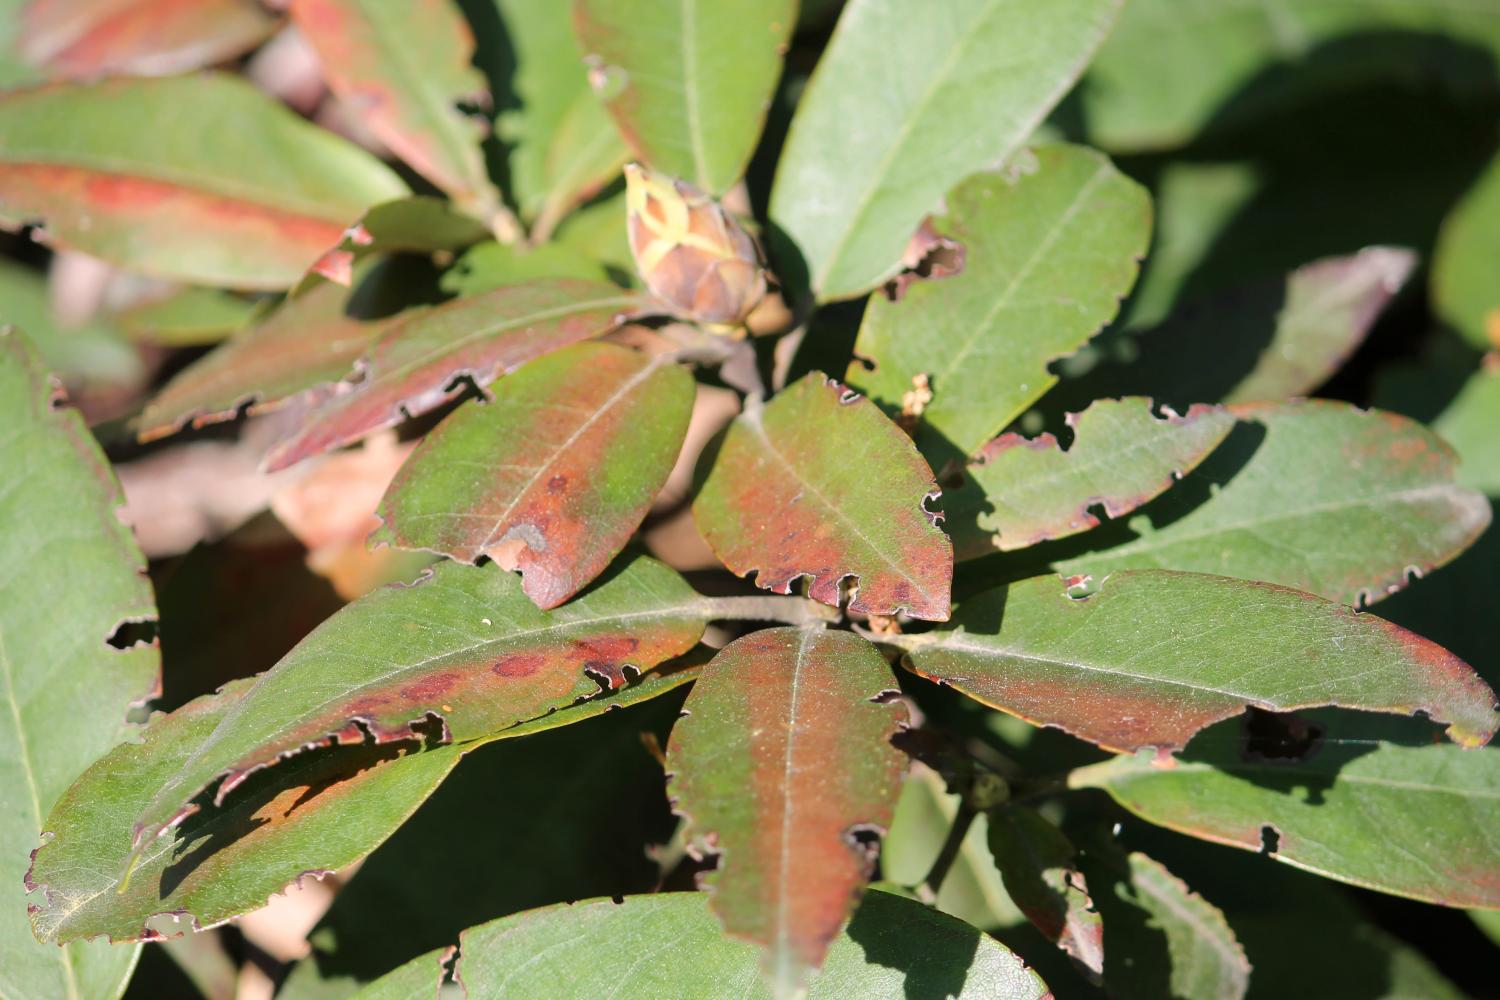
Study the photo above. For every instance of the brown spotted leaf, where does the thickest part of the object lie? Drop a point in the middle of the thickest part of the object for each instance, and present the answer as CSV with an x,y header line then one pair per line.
x,y
463,645
562,464
198,178
783,764
1154,656
81,39
1037,862
819,483
417,363
403,68
1019,491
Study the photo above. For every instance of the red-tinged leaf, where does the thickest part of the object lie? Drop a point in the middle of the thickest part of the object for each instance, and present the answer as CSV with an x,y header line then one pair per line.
x,y
70,576
572,449
783,765
1036,860
463,645
94,38
1154,656
403,68
198,178
1019,491
819,483
416,365
303,348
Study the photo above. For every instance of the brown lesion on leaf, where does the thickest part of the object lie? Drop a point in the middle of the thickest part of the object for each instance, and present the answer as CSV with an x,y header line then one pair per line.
x,y
929,255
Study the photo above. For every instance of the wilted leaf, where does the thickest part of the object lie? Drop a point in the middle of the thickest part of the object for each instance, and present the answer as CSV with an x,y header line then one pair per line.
x,y
421,360
463,645
1318,496
299,351
316,813
902,108
1152,657
1037,861
818,483
1019,491
783,765
92,353
688,84
1414,818
66,693
554,474
403,68
189,317
1465,277
670,943
1048,253
92,38
201,178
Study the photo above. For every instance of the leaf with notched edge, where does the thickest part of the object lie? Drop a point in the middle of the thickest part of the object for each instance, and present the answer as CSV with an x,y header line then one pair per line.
x,y
1314,495
563,463
316,813
1036,859
1154,656
70,576
1372,802
1019,491
307,343
463,644
415,365
88,39
783,764
403,68
819,483
198,178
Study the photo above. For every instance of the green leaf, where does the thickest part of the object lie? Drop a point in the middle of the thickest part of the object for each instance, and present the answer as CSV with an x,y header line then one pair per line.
x,y
902,108
1037,862
92,353
463,644
1247,58
202,179
573,447
490,265
1204,957
418,224
1487,921
298,352
72,577
670,944
781,764
1465,281
316,813
1414,818
419,362
1318,496
1019,491
1048,253
1153,656
818,483
189,317
688,84
402,68
564,146
88,39
1468,424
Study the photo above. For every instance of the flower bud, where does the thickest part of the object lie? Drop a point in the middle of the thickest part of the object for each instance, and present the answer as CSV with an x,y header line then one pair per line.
x,y
690,252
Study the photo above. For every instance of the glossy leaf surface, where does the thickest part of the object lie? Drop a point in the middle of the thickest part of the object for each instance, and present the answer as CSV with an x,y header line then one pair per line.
x,y
562,464
902,108
1464,276
1019,491
1152,657
1036,859
403,68
176,177
818,483
1413,818
670,943
464,645
782,763
1048,253
64,692
415,365
1317,496
92,38
689,83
